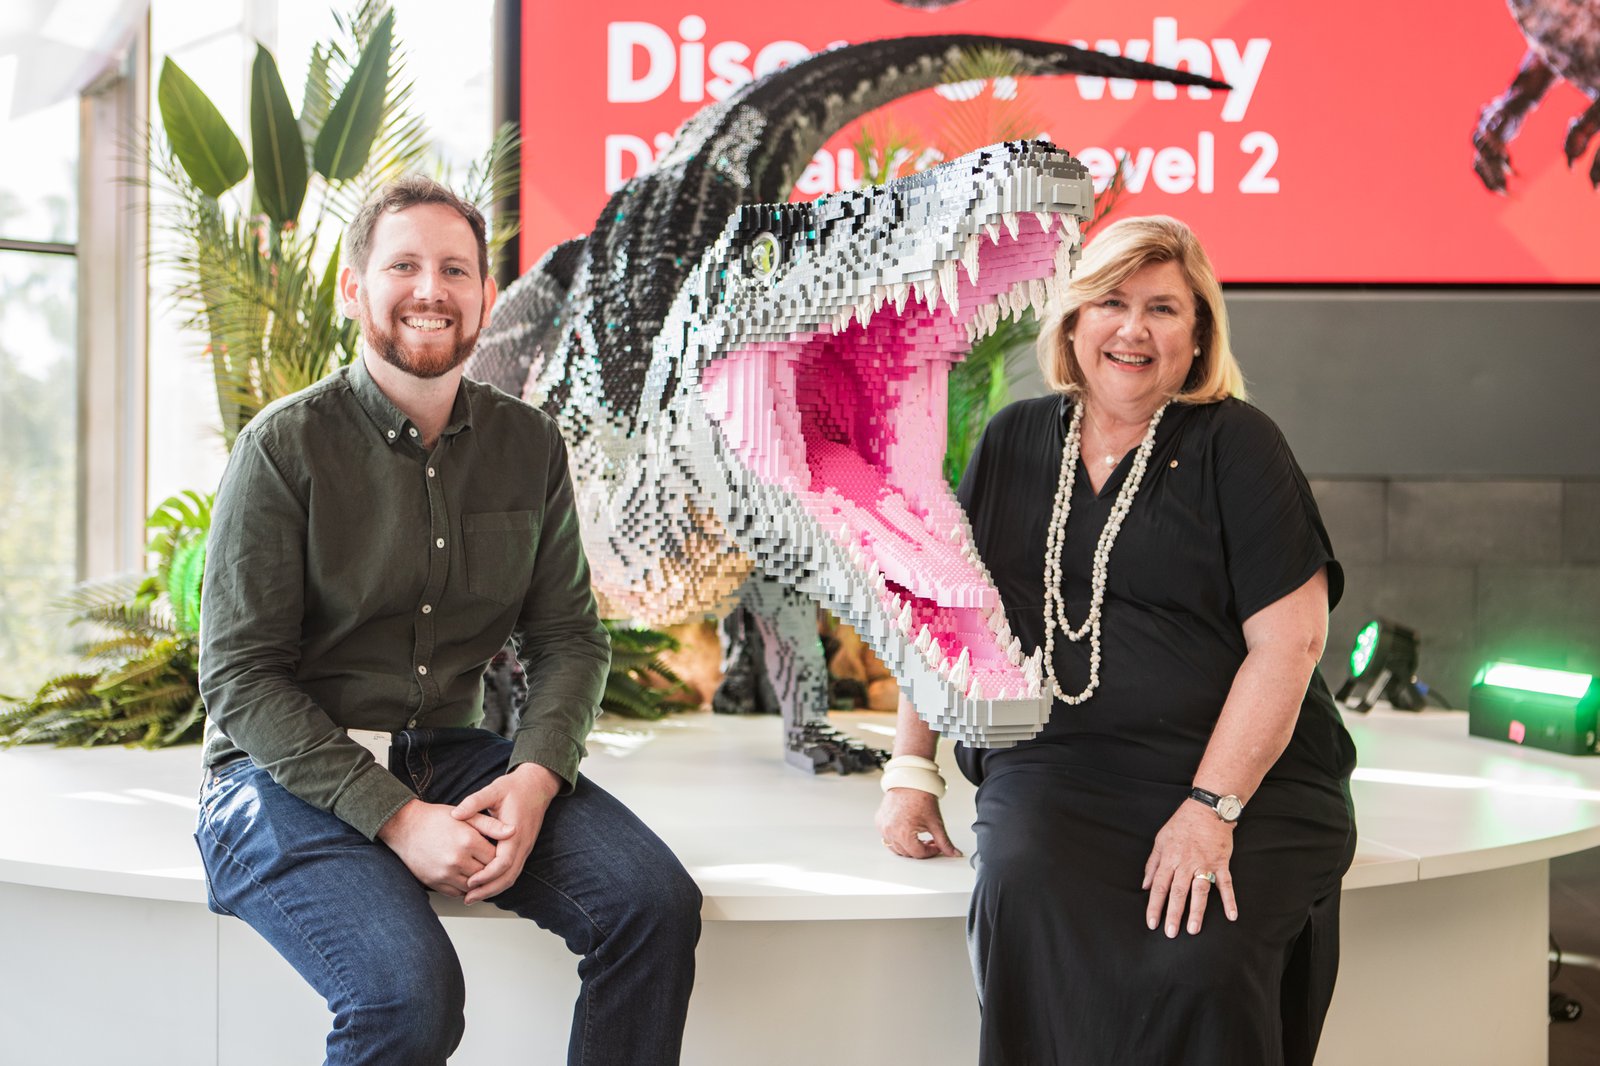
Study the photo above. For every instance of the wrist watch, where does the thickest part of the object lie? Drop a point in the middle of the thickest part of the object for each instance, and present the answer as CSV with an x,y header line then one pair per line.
x,y
1228,808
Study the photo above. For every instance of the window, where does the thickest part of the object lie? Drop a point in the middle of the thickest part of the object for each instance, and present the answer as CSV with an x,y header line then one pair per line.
x,y
39,525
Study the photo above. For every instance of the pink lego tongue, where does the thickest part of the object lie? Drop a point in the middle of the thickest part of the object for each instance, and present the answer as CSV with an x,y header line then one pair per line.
x,y
852,425
858,506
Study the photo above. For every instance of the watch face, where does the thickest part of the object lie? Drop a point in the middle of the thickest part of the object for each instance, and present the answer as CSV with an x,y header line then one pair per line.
x,y
1229,808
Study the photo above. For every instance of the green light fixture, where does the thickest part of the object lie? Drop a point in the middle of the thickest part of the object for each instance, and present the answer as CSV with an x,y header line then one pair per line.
x,y
1535,706
1383,666
1535,679
1366,644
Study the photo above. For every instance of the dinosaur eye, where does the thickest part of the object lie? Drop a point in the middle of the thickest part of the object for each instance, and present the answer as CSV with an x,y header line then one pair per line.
x,y
762,255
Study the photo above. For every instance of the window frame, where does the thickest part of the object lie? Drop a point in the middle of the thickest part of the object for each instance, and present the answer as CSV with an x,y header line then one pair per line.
x,y
113,315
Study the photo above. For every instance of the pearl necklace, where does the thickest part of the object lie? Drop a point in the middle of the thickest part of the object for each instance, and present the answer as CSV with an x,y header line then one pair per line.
x,y
1055,605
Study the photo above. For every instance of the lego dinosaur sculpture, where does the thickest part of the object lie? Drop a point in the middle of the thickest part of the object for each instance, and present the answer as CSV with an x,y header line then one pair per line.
x,y
753,391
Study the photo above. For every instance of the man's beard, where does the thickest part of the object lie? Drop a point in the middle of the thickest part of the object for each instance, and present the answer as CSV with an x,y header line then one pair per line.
x,y
421,364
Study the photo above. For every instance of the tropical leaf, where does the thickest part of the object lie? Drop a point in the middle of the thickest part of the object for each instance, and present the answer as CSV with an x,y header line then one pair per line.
x,y
183,584
640,684
490,181
280,154
211,155
346,137
317,99
999,108
627,697
883,149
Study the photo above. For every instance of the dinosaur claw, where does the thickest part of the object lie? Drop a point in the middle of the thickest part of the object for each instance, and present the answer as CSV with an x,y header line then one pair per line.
x,y
1492,172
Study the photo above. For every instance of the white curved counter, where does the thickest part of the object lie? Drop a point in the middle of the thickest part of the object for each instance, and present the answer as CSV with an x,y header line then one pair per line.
x,y
819,944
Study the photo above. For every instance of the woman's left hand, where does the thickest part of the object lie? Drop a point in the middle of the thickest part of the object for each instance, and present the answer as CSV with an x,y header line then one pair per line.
x,y
1194,842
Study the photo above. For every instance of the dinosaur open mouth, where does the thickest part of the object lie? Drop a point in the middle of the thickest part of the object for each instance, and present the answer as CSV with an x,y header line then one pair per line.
x,y
850,422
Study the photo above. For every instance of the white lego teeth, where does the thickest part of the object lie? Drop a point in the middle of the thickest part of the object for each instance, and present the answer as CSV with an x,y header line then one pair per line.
x,y
949,285
901,292
1044,220
906,619
924,640
1063,262
1010,219
969,257
962,671
993,230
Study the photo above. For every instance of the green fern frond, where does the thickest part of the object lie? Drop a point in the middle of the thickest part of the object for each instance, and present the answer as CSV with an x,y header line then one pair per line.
x,y
157,660
113,649
82,599
627,697
663,671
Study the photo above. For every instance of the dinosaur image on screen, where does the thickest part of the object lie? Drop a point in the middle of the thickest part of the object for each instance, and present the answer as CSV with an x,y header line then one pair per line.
x,y
1563,44
753,391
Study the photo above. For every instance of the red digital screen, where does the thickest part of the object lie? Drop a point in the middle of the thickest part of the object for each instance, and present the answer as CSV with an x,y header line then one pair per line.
x,y
1344,154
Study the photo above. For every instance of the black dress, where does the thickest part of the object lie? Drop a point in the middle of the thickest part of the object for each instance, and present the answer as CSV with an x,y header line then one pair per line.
x,y
1223,526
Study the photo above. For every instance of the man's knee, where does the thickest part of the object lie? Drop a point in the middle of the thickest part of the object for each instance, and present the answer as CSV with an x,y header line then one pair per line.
x,y
671,907
413,1011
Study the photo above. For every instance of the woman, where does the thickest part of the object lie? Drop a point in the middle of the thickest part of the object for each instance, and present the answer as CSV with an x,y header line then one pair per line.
x,y
1158,871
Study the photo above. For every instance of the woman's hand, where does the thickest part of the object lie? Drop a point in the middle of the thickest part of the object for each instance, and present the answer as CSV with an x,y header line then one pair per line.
x,y
1192,843
905,816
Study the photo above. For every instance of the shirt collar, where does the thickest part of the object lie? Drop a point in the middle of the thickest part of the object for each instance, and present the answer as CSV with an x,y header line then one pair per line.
x,y
390,422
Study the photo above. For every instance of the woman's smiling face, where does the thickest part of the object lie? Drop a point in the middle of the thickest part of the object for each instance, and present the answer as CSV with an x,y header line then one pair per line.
x,y
1135,344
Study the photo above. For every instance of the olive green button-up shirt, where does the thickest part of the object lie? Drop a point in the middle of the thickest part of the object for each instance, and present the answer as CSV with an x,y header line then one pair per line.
x,y
356,580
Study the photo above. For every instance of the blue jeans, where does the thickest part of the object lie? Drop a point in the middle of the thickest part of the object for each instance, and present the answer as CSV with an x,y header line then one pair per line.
x,y
349,916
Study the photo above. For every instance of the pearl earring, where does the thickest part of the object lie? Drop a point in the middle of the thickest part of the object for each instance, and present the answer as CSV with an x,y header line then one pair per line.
x,y
1197,351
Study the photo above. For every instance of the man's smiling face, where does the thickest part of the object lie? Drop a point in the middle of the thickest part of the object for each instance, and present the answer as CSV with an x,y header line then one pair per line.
x,y
420,300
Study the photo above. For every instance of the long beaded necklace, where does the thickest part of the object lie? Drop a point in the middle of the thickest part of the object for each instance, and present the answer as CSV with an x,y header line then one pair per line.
x,y
1055,605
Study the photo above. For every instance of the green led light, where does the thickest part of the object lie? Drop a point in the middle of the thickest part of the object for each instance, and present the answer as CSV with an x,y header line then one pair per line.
x,y
1366,644
1536,679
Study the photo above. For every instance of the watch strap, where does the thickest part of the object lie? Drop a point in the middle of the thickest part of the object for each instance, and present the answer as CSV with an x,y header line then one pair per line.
x,y
1215,802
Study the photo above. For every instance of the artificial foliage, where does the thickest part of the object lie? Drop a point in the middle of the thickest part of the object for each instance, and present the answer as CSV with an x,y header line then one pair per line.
x,y
139,679
641,684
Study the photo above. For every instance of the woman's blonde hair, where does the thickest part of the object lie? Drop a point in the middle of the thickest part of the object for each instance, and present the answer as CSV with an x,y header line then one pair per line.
x,y
1115,255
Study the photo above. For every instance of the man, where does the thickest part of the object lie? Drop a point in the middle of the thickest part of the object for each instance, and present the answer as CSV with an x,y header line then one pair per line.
x,y
376,539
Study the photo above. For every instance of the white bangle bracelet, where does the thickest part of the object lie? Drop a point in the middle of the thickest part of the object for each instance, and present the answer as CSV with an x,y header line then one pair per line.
x,y
917,777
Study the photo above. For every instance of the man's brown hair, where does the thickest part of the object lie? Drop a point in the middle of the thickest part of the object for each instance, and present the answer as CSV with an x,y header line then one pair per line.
x,y
397,195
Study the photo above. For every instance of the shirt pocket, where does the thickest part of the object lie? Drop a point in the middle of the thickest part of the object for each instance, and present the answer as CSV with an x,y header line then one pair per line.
x,y
499,548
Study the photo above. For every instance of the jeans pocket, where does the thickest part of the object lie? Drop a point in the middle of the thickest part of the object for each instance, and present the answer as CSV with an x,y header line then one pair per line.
x,y
212,903
499,550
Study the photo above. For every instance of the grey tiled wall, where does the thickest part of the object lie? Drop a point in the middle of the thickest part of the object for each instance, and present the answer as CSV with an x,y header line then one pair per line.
x,y
1481,569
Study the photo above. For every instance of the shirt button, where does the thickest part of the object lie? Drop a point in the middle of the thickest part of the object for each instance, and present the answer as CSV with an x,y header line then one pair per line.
x,y
430,471
411,724
423,670
391,434
413,431
439,543
427,608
